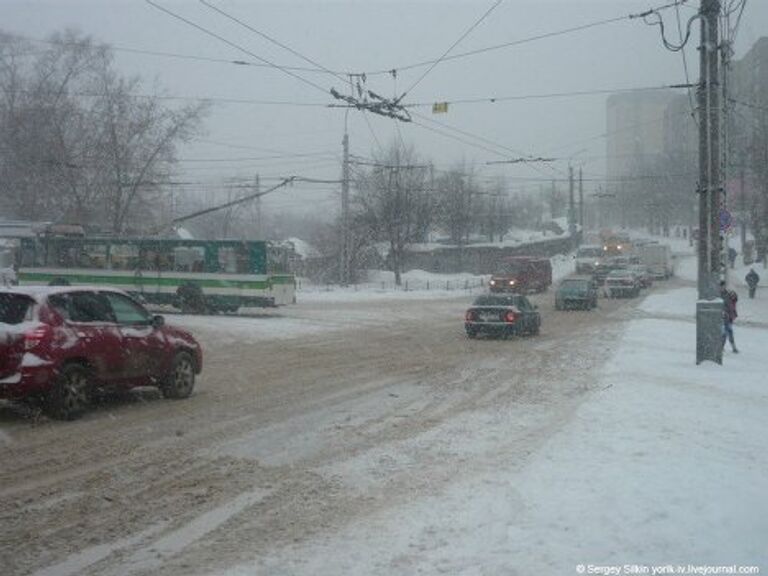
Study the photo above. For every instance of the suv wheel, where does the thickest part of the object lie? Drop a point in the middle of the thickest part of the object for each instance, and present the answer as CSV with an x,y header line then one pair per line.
x,y
181,378
70,396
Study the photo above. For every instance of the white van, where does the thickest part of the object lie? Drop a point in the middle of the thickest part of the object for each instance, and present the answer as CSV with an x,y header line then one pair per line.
x,y
658,259
588,257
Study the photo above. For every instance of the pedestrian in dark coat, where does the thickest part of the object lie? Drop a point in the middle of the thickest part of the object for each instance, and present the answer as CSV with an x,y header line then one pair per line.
x,y
752,279
729,315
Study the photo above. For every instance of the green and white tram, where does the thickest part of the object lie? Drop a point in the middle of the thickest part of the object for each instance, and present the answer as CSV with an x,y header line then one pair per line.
x,y
192,275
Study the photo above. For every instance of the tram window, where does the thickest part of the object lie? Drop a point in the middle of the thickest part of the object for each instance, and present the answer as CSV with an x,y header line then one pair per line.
x,y
189,258
124,256
233,259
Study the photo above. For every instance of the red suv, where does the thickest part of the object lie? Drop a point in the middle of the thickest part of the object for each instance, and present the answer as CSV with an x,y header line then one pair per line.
x,y
60,344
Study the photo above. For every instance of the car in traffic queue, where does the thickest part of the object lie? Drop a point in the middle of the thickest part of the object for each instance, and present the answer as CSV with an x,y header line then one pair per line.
x,y
522,274
608,264
643,274
61,345
502,315
576,292
622,283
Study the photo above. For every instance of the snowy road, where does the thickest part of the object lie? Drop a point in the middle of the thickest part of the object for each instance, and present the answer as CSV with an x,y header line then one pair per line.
x,y
346,413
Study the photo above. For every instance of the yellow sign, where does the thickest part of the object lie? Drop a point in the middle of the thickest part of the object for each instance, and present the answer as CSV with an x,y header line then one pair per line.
x,y
440,108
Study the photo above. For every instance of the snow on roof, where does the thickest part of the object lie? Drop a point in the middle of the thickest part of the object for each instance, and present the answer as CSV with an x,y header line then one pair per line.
x,y
304,248
184,233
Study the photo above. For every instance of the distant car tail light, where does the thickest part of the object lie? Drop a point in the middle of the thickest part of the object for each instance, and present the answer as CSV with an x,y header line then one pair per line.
x,y
35,337
469,316
510,317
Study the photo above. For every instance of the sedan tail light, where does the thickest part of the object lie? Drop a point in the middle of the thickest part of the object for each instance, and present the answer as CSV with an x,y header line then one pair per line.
x,y
35,337
470,316
510,317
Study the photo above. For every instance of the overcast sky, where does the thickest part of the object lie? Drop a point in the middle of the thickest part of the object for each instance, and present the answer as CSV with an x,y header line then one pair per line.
x,y
375,36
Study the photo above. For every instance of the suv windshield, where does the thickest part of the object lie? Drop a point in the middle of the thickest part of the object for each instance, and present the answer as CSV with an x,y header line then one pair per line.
x,y
589,252
15,308
512,268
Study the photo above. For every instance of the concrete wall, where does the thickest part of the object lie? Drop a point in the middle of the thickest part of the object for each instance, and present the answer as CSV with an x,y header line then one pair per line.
x,y
482,259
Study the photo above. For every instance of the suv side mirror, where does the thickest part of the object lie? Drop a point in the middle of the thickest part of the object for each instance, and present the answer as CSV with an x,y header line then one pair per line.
x,y
158,321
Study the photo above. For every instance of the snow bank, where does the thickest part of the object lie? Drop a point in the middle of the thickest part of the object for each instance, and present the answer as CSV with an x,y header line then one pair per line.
x,y
665,465
380,284
416,285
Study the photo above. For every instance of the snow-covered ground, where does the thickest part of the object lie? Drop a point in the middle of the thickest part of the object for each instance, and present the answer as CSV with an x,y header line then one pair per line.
x,y
416,284
663,464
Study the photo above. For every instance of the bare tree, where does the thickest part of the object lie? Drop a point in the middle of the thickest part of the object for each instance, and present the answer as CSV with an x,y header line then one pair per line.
x,y
78,141
496,212
393,203
458,203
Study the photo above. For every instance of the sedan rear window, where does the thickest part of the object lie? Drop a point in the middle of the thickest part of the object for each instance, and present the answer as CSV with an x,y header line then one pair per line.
x,y
15,308
575,284
498,300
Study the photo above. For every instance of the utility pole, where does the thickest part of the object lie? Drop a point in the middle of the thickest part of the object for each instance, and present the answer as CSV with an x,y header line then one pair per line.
x,y
571,206
725,54
257,188
709,344
581,200
743,210
345,233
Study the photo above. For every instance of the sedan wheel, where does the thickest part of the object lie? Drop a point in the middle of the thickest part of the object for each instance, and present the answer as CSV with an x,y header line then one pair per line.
x,y
181,379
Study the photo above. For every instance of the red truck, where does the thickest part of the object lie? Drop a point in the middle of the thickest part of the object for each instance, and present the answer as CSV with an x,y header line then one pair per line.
x,y
522,274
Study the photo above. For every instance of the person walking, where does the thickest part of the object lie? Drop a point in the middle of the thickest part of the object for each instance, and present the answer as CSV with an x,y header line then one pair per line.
x,y
752,279
729,314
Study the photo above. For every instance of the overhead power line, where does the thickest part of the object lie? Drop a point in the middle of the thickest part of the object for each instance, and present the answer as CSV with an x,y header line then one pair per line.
x,y
270,39
236,46
226,205
456,43
550,95
685,62
178,56
525,160
256,158
535,38
213,99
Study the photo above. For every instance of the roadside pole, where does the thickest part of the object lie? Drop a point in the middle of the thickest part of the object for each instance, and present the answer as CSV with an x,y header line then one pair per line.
x,y
581,200
709,307
571,207
344,264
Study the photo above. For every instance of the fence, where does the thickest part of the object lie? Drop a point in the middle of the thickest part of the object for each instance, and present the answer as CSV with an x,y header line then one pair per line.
x,y
408,285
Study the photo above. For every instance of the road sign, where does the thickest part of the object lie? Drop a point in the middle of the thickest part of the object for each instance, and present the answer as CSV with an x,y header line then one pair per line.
x,y
726,220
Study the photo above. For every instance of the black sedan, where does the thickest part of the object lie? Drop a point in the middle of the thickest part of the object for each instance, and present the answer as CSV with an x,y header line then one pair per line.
x,y
502,315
